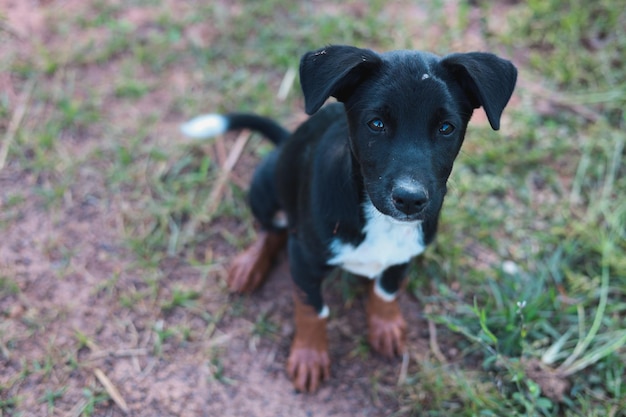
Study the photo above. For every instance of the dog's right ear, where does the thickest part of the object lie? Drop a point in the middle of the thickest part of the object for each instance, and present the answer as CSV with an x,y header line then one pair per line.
x,y
334,71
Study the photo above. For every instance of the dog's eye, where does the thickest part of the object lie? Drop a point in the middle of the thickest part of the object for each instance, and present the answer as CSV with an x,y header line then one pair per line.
x,y
446,128
376,125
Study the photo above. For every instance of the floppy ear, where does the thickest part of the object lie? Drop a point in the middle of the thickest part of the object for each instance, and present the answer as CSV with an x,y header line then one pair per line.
x,y
486,79
334,71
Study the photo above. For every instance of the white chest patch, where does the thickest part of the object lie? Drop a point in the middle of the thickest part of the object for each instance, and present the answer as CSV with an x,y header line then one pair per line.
x,y
387,242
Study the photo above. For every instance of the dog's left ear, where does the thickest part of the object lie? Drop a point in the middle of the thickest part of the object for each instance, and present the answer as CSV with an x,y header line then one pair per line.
x,y
486,79
334,71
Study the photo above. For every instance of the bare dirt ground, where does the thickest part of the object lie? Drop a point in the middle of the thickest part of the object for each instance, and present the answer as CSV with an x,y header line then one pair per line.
x,y
66,335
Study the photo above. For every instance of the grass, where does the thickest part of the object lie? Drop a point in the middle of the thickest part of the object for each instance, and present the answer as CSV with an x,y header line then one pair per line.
x,y
554,212
526,284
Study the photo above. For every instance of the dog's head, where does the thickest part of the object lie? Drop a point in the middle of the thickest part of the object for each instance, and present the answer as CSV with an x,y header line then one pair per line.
x,y
407,114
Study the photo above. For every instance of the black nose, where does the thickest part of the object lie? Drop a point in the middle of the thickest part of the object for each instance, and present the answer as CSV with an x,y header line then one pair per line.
x,y
409,200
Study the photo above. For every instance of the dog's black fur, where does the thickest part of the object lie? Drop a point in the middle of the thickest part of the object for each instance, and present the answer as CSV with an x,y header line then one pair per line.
x,y
363,180
343,155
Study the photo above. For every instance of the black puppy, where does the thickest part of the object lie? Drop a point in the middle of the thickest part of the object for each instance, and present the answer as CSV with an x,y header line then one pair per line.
x,y
361,183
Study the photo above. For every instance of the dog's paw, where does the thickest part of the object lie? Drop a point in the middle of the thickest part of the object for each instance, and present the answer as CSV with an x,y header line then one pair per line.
x,y
246,272
387,334
250,268
387,328
308,368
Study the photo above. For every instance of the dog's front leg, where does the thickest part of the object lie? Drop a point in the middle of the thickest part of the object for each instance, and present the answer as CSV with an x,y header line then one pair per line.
x,y
308,364
387,328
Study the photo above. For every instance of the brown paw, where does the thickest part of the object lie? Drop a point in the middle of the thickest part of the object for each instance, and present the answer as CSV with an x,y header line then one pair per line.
x,y
308,368
246,272
387,328
308,364
387,336
250,268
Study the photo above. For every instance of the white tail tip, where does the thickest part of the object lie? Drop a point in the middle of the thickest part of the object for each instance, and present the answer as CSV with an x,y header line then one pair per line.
x,y
205,126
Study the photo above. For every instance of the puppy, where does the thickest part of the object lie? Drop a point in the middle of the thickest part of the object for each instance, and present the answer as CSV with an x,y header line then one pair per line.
x,y
360,184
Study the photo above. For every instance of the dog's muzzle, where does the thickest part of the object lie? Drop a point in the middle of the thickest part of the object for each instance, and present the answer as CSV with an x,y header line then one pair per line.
x,y
409,198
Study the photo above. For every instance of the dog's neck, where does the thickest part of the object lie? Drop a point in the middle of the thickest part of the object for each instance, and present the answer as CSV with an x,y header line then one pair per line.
x,y
386,242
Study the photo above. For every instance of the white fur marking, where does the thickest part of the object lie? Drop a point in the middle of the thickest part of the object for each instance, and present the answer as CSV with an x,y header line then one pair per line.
x,y
205,126
387,242
324,313
425,76
382,294
280,219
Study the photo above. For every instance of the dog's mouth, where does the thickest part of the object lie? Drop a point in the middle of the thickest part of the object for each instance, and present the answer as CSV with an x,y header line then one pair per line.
x,y
405,218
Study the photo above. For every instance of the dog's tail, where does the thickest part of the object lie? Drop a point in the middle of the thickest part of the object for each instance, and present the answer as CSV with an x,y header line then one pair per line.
x,y
209,125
